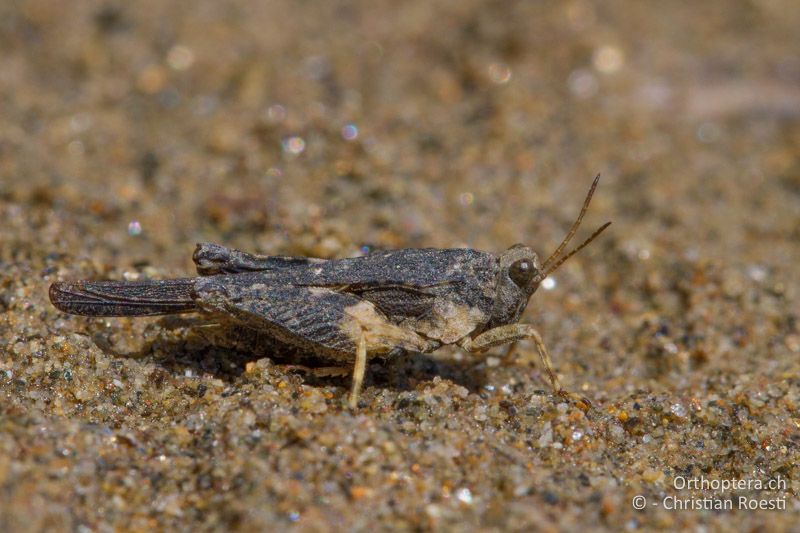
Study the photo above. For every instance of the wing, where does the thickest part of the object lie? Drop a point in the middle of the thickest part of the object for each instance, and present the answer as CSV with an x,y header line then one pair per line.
x,y
321,320
123,298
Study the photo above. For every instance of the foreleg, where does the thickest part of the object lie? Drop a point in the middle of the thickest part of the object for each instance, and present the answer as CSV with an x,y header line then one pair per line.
x,y
512,333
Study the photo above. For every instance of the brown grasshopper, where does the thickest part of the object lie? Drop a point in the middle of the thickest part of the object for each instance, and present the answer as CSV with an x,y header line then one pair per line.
x,y
349,310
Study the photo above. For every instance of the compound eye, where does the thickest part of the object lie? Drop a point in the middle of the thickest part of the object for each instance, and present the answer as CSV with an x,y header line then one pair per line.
x,y
522,272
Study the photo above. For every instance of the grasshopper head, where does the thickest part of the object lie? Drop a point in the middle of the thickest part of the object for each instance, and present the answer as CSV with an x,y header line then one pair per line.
x,y
520,269
519,277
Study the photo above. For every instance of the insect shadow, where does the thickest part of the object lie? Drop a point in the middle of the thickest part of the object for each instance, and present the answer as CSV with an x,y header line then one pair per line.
x,y
187,344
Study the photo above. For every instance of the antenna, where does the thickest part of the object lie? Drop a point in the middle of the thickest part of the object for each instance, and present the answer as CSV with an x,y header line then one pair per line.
x,y
574,229
561,261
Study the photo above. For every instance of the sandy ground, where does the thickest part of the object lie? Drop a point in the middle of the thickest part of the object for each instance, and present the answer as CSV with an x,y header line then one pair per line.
x,y
131,131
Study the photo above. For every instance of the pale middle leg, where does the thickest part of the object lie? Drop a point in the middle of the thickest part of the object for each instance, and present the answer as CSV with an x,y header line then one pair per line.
x,y
359,369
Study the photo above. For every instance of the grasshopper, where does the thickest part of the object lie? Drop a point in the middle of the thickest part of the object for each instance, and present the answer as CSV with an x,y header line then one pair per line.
x,y
349,310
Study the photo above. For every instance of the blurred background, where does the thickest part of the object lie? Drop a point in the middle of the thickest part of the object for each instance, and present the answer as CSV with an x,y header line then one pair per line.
x,y
131,130
158,124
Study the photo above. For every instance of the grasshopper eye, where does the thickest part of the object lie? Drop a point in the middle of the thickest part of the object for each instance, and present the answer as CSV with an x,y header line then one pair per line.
x,y
522,272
